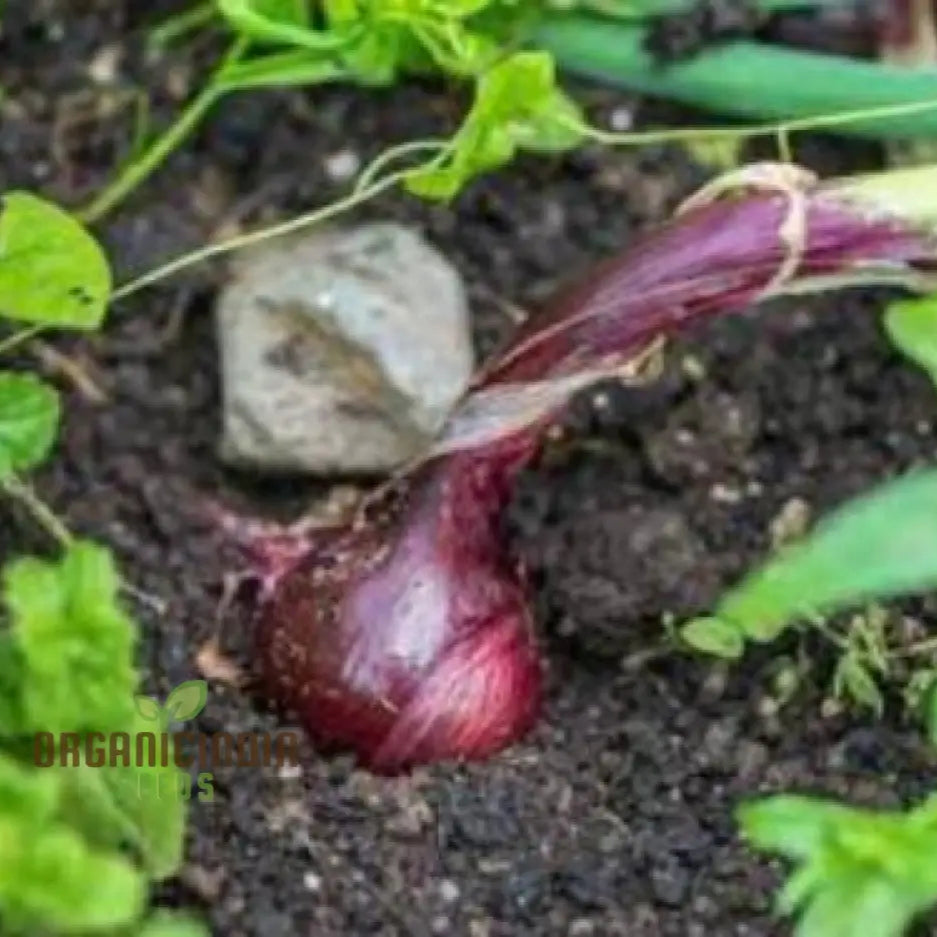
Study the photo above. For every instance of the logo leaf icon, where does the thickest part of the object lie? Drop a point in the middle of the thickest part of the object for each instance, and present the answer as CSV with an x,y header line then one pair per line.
x,y
147,708
187,700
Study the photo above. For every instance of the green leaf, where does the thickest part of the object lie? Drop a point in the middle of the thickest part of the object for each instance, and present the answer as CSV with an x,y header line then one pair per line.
x,y
517,106
795,827
75,641
187,700
278,22
52,271
280,69
413,36
29,421
148,798
133,807
30,795
50,878
852,680
861,873
714,636
911,325
880,545
172,924
90,808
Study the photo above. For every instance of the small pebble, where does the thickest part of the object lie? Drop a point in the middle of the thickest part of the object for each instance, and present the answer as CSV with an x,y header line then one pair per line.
x,y
342,166
449,891
621,119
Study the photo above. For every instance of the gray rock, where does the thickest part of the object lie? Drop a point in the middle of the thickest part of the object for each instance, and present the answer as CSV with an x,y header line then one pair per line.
x,y
342,351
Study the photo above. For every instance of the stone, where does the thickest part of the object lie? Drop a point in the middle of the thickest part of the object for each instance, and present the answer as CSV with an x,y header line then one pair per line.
x,y
342,351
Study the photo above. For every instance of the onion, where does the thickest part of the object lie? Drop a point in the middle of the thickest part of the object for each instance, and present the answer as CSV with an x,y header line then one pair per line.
x,y
406,635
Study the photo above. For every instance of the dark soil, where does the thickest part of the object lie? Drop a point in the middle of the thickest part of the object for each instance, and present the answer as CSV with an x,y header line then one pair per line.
x,y
614,817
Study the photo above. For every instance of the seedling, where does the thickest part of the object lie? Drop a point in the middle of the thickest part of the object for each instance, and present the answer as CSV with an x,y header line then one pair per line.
x,y
303,43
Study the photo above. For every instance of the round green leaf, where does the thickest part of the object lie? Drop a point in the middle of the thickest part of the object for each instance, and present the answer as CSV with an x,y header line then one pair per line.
x,y
29,420
714,636
52,272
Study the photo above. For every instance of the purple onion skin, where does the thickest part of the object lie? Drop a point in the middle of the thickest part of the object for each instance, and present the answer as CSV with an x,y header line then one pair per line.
x,y
715,259
407,635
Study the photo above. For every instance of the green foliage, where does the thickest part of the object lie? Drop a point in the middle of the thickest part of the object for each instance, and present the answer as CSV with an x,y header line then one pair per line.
x,y
52,272
911,325
880,545
853,680
155,816
714,636
29,421
84,843
861,873
518,106
374,42
50,876
74,641
280,43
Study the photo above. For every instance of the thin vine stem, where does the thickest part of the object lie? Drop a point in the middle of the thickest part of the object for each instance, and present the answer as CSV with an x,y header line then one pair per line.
x,y
22,491
143,166
780,129
357,196
12,342
182,23
383,160
368,186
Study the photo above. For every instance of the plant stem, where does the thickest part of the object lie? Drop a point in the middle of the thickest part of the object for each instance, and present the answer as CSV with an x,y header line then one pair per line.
x,y
928,646
746,78
358,195
47,519
12,342
177,26
139,169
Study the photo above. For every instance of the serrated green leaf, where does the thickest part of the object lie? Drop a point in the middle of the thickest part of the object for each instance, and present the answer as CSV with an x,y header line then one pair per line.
x,y
880,545
51,879
911,324
518,105
52,271
714,636
75,641
30,795
148,797
860,873
134,808
29,421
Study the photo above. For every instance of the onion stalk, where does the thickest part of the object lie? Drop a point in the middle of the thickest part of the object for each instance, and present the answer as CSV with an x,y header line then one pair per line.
x,y
746,78
406,634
